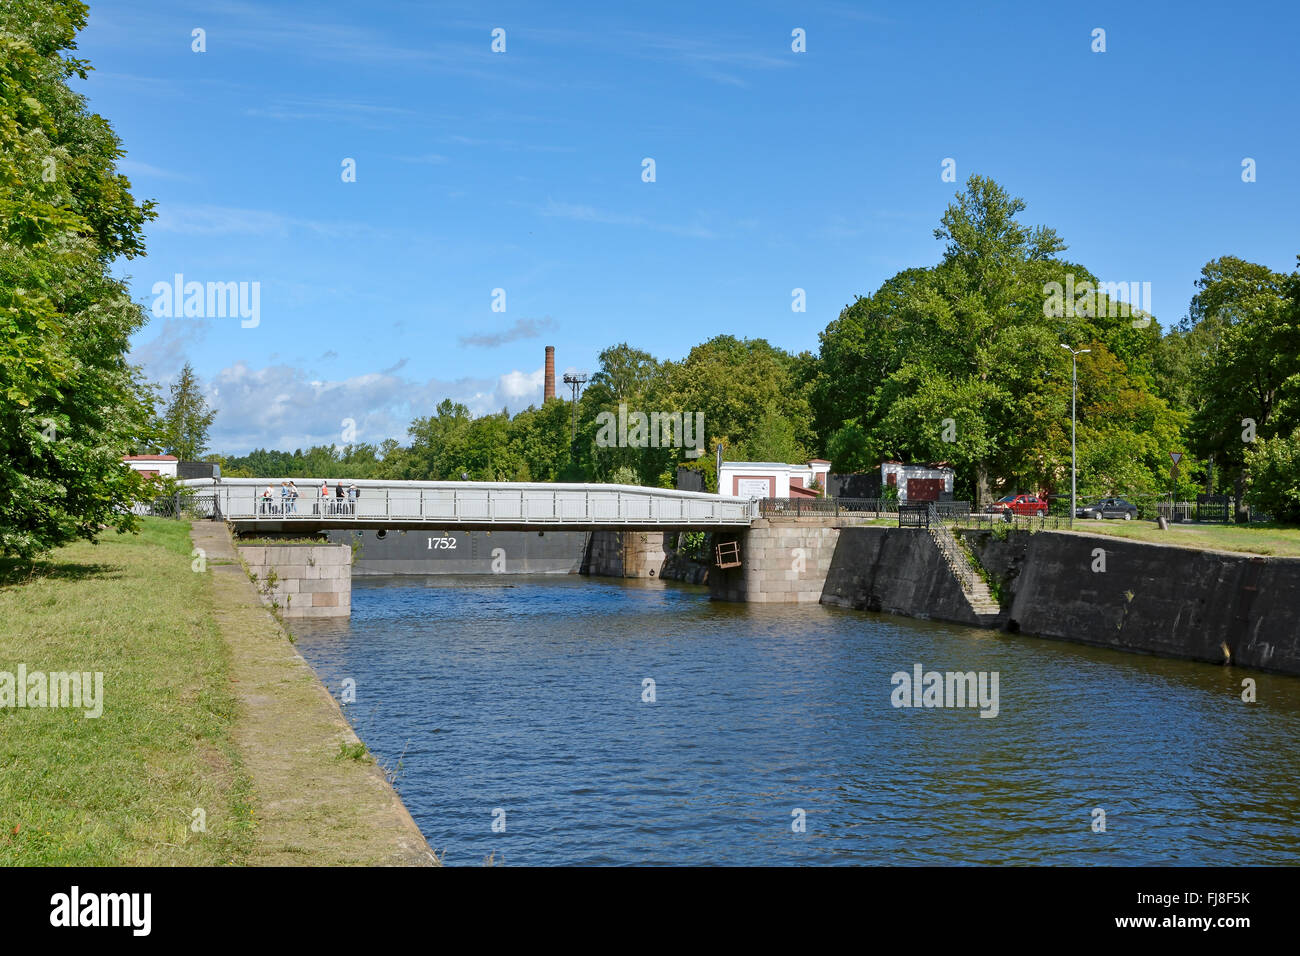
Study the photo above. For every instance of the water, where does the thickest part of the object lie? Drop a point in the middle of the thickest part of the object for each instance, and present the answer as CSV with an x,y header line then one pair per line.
x,y
525,695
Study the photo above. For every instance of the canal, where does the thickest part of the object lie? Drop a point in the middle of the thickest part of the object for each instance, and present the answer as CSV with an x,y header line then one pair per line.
x,y
515,713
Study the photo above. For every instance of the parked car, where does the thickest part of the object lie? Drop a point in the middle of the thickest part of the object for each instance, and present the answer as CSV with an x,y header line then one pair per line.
x,y
1021,505
1108,508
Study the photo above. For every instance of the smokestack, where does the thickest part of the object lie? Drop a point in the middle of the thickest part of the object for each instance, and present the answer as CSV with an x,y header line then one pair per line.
x,y
548,390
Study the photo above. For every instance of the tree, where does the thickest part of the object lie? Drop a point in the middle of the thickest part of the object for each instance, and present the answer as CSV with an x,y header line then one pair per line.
x,y
962,361
71,406
772,439
1245,325
186,421
1273,479
744,387
437,443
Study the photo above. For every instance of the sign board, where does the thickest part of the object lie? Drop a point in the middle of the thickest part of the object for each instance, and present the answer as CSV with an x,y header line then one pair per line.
x,y
754,487
1177,456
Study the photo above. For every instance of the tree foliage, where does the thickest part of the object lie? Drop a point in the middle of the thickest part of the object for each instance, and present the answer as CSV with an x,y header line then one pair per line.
x,y
187,418
70,406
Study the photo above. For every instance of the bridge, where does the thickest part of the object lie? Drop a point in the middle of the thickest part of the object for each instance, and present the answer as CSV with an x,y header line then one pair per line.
x,y
463,505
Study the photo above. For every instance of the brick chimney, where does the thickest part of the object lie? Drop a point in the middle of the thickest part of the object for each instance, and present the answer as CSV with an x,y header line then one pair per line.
x,y
548,390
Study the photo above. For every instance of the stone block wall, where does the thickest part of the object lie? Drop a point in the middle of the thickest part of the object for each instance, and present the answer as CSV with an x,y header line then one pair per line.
x,y
781,563
625,554
303,580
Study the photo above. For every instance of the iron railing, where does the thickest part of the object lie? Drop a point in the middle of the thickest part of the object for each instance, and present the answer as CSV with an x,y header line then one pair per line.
x,y
1015,521
179,505
477,503
953,555
848,507
915,515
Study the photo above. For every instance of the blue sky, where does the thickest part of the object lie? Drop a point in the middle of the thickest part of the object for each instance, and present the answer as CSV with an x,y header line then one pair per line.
x,y
522,171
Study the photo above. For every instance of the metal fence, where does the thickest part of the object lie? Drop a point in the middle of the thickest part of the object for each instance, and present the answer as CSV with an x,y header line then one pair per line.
x,y
915,515
851,507
179,506
1206,508
990,521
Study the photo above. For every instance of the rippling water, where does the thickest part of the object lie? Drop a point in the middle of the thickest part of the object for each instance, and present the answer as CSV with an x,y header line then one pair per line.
x,y
525,695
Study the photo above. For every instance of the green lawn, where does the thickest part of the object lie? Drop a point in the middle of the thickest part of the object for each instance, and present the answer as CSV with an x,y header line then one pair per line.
x,y
1253,539
121,788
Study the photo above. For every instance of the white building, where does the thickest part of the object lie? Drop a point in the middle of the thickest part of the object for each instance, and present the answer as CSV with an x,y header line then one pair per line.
x,y
917,482
153,465
770,479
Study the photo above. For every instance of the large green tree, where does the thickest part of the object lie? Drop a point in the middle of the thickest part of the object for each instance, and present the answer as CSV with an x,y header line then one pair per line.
x,y
962,361
70,405
1243,334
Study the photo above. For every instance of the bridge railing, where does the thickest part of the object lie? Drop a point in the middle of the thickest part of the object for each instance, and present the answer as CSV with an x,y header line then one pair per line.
x,y
486,503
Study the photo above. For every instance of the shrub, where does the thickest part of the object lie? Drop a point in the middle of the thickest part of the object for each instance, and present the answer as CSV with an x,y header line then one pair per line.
x,y
1273,477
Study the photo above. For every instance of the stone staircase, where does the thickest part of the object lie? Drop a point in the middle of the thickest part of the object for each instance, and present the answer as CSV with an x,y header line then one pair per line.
x,y
982,603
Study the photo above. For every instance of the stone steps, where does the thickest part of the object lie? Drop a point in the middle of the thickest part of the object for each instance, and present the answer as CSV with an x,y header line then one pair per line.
x,y
982,603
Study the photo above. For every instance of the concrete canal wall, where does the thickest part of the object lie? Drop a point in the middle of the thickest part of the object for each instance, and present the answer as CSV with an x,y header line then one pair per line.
x,y
1153,598
1092,589
895,571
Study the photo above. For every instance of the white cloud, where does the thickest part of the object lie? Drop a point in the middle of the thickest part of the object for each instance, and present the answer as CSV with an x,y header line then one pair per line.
x,y
521,385
163,356
231,220
129,167
581,213
284,407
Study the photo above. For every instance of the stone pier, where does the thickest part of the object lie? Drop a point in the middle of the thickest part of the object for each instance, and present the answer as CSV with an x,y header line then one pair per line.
x,y
625,554
782,562
303,580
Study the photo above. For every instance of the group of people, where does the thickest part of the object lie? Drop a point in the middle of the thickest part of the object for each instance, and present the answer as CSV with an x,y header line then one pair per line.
x,y
342,500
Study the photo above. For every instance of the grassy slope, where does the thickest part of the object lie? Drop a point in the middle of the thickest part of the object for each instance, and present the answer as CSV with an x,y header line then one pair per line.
x,y
1252,539
121,789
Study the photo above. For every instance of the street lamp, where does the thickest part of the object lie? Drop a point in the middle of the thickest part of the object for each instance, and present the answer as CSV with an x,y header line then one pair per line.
x,y
1074,388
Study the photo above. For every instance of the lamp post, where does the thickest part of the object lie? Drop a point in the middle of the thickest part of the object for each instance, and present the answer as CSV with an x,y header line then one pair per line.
x,y
1074,388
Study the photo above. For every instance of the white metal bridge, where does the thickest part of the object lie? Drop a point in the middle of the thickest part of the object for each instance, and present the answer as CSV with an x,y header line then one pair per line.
x,y
258,505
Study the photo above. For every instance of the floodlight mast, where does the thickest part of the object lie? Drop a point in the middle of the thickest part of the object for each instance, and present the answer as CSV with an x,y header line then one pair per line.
x,y
575,381
1074,388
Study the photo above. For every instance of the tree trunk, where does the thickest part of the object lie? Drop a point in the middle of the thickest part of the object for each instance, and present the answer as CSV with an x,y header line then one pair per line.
x,y
981,485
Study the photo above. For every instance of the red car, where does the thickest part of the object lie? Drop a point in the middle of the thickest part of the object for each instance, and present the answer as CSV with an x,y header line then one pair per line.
x,y
1021,505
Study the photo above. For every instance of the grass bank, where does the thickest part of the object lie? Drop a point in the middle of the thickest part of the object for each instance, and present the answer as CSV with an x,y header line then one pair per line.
x,y
122,788
1266,539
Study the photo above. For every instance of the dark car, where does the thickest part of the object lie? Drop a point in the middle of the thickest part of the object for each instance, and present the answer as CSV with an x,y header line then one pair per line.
x,y
1108,508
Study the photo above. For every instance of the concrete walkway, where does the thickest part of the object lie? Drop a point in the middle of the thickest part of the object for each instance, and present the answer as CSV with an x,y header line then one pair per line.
x,y
313,807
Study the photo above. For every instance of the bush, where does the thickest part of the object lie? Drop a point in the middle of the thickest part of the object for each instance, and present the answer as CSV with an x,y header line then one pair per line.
x,y
1273,477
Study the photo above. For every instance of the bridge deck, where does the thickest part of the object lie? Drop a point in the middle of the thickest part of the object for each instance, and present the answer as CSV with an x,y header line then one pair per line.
x,y
407,505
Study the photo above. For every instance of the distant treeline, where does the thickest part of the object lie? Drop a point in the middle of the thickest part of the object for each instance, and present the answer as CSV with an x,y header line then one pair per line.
x,y
959,362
